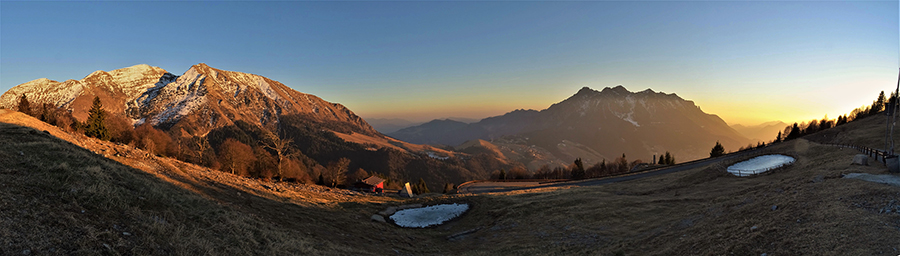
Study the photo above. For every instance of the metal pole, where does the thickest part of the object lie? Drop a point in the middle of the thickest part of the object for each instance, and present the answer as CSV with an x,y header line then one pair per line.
x,y
894,114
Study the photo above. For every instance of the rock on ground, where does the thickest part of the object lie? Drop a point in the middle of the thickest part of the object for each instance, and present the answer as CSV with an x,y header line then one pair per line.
x,y
860,159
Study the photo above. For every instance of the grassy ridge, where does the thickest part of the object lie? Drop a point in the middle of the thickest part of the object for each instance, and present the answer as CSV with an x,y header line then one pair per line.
x,y
59,198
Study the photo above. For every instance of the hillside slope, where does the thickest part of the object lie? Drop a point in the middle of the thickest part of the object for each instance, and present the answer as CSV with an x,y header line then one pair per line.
x,y
79,195
806,208
58,198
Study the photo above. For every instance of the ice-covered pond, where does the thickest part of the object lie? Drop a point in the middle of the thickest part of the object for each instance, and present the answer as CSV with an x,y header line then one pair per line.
x,y
428,216
759,164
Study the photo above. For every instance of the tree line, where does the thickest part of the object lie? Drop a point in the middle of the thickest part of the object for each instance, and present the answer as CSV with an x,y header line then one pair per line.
x,y
879,105
577,170
294,149
797,130
271,158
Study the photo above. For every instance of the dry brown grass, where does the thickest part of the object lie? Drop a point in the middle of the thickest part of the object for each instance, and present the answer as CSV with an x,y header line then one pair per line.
x,y
140,204
173,208
388,142
703,212
869,132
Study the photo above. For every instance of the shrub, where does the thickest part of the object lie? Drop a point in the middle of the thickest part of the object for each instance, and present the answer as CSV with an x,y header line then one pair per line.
x,y
153,140
235,156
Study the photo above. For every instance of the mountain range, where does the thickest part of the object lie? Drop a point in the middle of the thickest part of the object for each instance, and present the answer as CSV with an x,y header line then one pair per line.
x,y
594,125
761,132
389,125
209,97
204,107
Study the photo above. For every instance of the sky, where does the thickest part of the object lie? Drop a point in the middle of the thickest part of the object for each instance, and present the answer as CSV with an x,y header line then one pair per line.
x,y
748,62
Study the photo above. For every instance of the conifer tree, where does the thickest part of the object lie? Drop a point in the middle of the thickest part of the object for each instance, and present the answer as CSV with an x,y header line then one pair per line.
x,y
423,188
669,159
795,132
717,150
878,105
95,126
578,170
778,137
841,120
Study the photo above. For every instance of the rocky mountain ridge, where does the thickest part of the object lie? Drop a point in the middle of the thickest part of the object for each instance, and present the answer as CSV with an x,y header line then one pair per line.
x,y
217,97
205,115
115,88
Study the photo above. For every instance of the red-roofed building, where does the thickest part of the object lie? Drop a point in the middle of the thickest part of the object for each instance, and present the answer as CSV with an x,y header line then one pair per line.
x,y
370,184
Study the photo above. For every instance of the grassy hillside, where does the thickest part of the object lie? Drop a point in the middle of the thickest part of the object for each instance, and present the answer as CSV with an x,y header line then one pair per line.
x,y
82,196
868,131
706,212
60,198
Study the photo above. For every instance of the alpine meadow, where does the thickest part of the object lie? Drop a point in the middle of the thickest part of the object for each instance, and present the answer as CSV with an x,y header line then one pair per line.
x,y
449,128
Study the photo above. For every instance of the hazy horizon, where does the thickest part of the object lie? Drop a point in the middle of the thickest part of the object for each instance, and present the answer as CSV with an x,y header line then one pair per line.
x,y
747,62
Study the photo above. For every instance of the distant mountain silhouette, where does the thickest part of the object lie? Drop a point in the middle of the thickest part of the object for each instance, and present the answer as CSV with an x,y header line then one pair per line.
x,y
595,125
389,125
762,132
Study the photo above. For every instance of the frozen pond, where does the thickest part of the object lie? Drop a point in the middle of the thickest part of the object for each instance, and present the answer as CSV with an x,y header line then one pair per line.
x,y
428,216
759,164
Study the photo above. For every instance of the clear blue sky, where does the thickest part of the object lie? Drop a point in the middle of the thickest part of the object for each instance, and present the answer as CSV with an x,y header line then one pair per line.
x,y
748,62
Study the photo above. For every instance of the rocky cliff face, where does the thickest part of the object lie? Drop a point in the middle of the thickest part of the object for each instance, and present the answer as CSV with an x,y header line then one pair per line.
x,y
210,97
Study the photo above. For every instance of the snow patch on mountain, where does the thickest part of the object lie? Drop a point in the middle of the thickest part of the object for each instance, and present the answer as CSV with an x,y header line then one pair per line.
x,y
43,90
131,74
180,107
629,117
436,156
257,81
183,96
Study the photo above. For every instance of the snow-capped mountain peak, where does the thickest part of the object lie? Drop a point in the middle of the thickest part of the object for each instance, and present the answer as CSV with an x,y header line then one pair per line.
x,y
214,97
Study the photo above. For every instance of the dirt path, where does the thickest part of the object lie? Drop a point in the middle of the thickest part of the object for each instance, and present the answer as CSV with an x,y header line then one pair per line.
x,y
889,179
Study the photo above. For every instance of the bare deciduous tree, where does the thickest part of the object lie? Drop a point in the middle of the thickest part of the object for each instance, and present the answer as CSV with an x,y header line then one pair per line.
x,y
235,156
283,151
336,172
